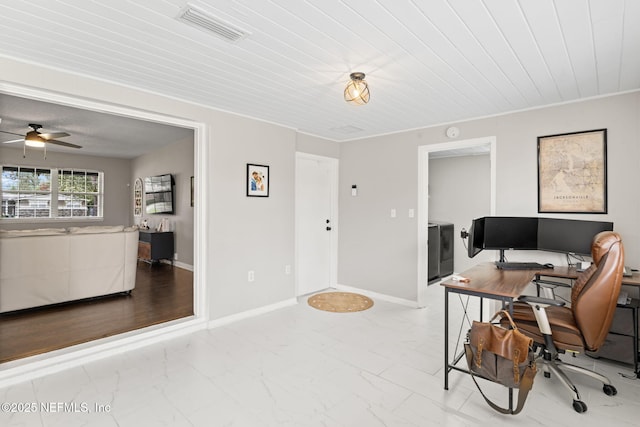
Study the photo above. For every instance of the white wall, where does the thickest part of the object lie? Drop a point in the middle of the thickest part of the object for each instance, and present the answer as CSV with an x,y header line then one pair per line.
x,y
380,254
377,252
318,146
176,159
251,233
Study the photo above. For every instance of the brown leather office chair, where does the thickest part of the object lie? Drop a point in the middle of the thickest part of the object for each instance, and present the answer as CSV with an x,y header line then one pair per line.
x,y
583,326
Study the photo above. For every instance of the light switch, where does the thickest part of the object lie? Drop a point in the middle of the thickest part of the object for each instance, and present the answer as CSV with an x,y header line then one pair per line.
x,y
393,213
412,213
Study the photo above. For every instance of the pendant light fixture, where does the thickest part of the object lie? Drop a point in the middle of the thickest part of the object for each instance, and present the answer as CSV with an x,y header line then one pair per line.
x,y
357,90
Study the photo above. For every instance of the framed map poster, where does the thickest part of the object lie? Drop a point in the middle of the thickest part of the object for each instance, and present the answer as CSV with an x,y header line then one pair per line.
x,y
572,172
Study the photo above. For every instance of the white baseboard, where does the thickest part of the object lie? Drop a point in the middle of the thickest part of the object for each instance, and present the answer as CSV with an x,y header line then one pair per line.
x,y
183,265
178,264
251,313
375,295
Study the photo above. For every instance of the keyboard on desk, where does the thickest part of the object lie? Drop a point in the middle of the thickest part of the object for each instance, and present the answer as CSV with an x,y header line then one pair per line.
x,y
519,265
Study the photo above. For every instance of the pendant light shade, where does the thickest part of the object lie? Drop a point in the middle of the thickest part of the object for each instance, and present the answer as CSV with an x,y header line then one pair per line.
x,y
357,90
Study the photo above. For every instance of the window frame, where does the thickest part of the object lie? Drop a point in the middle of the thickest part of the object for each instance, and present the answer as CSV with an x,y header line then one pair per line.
x,y
54,192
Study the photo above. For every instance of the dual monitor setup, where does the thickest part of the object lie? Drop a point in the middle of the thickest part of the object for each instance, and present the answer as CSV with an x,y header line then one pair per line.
x,y
572,237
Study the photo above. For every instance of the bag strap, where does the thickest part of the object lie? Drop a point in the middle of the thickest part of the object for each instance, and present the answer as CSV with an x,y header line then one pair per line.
x,y
526,382
504,313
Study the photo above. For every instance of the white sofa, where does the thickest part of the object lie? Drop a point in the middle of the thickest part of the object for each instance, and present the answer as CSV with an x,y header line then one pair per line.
x,y
54,265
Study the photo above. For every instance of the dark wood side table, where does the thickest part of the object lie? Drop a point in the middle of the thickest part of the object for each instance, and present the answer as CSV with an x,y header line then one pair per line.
x,y
154,246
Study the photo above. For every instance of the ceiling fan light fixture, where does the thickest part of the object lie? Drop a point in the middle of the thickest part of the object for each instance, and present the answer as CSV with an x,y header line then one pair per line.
x,y
34,141
357,90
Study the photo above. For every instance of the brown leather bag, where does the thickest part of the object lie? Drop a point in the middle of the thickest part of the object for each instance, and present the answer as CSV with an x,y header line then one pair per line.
x,y
504,356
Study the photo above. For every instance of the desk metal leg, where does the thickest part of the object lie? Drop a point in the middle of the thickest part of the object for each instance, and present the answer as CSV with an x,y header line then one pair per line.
x,y
635,341
446,339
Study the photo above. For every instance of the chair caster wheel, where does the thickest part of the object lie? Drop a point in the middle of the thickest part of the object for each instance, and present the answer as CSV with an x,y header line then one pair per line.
x,y
609,390
579,406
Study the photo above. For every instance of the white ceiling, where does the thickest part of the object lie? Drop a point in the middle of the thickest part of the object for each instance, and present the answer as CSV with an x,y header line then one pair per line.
x,y
427,62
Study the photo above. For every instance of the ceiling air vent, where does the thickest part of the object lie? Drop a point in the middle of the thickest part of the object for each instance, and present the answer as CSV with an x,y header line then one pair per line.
x,y
347,129
217,26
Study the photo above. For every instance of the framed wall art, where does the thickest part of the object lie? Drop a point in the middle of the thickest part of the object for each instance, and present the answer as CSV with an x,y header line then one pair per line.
x,y
572,172
137,198
257,180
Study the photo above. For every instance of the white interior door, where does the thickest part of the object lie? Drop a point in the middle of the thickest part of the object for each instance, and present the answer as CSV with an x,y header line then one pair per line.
x,y
316,227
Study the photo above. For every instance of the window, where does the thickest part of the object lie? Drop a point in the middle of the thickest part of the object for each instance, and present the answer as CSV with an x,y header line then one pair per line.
x,y
27,192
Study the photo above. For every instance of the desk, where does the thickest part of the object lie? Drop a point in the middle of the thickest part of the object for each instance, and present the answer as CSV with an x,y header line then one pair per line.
x,y
485,281
572,274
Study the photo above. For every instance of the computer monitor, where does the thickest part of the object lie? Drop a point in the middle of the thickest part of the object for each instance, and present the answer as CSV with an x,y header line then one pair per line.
x,y
569,236
475,242
504,233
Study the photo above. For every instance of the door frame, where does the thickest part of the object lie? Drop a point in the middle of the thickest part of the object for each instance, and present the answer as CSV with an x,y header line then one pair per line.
x,y
333,164
51,362
423,199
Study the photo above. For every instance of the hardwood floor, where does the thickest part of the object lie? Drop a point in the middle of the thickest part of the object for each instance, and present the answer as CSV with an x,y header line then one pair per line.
x,y
162,293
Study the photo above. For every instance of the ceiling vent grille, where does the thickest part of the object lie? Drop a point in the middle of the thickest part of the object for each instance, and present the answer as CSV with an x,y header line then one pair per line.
x,y
347,129
217,26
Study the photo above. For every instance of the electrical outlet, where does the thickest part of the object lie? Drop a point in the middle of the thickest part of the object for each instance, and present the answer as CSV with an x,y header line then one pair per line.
x,y
251,276
175,256
287,269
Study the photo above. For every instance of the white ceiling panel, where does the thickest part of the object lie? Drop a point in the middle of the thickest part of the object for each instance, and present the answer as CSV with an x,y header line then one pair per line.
x,y
542,20
514,27
630,61
608,28
576,23
427,62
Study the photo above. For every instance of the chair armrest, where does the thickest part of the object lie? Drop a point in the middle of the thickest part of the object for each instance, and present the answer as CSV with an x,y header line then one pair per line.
x,y
538,305
530,299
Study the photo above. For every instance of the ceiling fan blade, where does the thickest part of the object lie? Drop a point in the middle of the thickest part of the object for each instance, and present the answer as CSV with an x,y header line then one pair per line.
x,y
13,140
11,133
64,144
53,135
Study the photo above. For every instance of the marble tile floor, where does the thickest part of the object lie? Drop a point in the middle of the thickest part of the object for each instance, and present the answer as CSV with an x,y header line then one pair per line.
x,y
302,367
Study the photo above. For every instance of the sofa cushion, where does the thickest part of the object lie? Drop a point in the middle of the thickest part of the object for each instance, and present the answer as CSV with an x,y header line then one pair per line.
x,y
96,229
36,232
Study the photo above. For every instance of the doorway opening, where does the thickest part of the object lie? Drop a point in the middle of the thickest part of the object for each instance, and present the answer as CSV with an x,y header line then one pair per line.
x,y
470,147
24,369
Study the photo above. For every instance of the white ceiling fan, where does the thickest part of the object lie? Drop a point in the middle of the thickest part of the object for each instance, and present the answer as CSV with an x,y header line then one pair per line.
x,y
34,138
